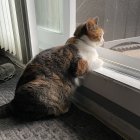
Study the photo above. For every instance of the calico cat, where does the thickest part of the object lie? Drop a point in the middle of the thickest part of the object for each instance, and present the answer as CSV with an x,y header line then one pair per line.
x,y
48,81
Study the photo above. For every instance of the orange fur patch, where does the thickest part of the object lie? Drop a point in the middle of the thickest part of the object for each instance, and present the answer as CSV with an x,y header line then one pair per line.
x,y
94,32
82,67
71,40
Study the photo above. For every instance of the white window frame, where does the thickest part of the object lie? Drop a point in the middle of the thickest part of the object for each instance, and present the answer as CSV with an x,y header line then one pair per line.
x,y
30,7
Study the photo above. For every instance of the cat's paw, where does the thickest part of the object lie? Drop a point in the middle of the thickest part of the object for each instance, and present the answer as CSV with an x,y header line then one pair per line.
x,y
78,81
98,63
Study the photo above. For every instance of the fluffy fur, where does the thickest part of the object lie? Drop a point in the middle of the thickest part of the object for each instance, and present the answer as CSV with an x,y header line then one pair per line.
x,y
87,37
49,80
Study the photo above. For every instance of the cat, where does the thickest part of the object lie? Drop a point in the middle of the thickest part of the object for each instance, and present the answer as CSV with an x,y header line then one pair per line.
x,y
48,82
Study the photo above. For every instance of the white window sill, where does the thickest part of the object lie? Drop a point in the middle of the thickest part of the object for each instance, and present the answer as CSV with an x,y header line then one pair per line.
x,y
116,87
121,78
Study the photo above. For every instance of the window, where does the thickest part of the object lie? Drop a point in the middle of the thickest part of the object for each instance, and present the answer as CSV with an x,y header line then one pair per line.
x,y
121,23
55,21
119,80
49,14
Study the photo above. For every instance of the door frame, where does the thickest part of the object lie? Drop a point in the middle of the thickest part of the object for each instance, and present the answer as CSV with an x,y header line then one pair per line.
x,y
26,17
25,11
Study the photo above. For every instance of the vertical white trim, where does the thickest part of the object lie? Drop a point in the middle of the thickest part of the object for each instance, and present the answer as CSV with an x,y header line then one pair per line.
x,y
72,16
69,7
32,26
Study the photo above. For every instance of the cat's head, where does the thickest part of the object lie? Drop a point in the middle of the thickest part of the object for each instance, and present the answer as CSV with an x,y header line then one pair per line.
x,y
90,32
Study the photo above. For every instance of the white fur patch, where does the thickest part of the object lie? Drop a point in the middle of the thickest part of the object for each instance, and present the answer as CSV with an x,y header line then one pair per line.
x,y
87,50
91,43
77,82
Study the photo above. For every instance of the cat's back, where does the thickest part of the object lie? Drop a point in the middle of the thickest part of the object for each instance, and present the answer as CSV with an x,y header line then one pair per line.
x,y
66,52
55,61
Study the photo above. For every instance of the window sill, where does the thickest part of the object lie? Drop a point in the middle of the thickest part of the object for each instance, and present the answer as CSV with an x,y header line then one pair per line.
x,y
120,78
120,62
116,87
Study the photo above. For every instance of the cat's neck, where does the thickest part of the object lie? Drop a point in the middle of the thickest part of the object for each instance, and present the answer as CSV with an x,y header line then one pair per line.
x,y
84,41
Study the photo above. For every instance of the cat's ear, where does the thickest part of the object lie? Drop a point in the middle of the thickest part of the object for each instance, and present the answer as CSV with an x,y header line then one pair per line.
x,y
91,23
96,20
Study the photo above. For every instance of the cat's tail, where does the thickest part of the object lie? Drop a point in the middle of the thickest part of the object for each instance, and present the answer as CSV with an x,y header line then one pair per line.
x,y
5,111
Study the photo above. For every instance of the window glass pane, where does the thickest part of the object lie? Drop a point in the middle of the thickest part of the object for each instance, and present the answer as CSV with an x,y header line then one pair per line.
x,y
49,14
120,20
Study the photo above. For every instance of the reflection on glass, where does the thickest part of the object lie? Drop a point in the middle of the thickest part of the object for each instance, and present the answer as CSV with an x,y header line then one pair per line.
x,y
49,14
